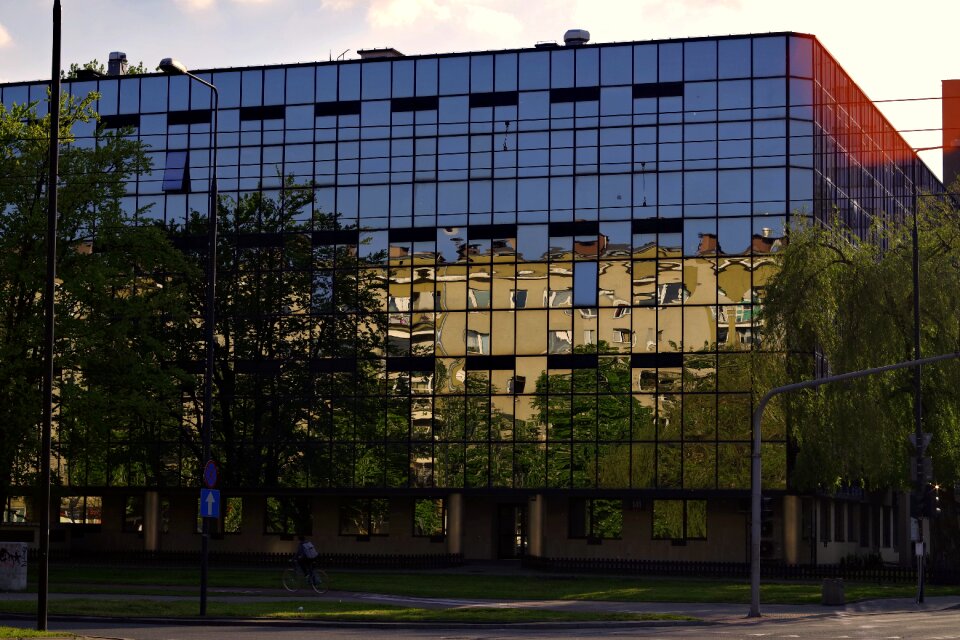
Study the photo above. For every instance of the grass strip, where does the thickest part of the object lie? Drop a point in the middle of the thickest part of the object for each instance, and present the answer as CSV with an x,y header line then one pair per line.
x,y
16,632
325,610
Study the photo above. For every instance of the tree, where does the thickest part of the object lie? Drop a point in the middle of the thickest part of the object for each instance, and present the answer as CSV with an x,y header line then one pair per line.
x,y
298,333
114,300
842,301
98,67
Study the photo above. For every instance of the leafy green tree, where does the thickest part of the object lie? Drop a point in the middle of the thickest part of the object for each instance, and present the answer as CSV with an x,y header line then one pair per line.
x,y
98,67
841,301
114,303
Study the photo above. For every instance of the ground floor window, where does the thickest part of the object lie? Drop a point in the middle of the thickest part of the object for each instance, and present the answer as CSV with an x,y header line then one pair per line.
x,y
596,518
81,510
231,514
365,517
429,518
133,514
16,511
679,519
288,516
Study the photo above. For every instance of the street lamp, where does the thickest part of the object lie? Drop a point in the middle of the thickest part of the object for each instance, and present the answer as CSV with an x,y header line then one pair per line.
x,y
49,324
175,67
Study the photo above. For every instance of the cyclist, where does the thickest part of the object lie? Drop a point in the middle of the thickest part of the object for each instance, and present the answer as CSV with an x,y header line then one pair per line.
x,y
305,555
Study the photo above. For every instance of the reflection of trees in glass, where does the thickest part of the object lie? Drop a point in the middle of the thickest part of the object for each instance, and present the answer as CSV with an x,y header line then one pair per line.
x,y
232,514
587,417
429,517
288,515
715,412
117,395
679,519
297,323
365,517
597,518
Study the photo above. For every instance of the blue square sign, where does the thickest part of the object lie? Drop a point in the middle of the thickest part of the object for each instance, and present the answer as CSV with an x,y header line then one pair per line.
x,y
210,503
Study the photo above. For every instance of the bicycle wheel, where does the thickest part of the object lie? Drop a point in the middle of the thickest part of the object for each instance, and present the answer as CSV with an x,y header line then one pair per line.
x,y
319,581
291,579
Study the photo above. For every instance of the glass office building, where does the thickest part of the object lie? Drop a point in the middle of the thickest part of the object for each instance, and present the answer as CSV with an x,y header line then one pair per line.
x,y
571,244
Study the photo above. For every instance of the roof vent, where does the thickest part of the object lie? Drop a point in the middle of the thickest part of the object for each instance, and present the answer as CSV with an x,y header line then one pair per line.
x,y
576,37
117,65
385,52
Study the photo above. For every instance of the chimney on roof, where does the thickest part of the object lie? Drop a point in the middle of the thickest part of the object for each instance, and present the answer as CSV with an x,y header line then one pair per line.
x,y
117,65
576,37
373,54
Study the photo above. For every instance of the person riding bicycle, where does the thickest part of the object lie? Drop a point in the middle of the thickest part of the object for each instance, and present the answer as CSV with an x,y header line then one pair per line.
x,y
305,555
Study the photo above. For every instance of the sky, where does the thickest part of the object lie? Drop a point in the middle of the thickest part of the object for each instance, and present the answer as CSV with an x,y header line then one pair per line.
x,y
893,49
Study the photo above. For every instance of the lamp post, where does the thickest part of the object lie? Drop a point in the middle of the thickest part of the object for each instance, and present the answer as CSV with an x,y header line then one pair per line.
x,y
175,67
50,322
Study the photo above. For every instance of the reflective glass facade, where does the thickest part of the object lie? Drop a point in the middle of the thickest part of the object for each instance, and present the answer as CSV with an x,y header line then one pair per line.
x,y
575,247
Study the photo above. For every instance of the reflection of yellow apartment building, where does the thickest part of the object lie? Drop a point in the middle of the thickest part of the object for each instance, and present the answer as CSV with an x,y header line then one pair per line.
x,y
496,303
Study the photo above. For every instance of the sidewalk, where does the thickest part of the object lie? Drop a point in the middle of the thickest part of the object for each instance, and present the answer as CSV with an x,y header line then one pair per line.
x,y
708,612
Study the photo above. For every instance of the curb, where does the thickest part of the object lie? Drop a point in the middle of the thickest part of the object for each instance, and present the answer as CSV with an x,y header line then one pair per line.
x,y
359,624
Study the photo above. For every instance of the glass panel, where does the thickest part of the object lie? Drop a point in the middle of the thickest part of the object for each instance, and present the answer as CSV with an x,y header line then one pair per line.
x,y
770,56
403,78
252,90
535,70
700,60
454,75
427,77
299,85
376,80
561,69
588,67
645,63
734,58
506,72
481,74
326,83
349,82
671,62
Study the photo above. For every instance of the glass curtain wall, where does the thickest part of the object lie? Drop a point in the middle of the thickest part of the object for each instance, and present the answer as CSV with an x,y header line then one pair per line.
x,y
571,245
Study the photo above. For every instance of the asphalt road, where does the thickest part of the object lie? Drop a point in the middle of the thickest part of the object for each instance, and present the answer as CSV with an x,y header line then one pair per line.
x,y
842,625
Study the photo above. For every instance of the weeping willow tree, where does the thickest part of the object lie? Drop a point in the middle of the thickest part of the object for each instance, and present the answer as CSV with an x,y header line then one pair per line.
x,y
842,301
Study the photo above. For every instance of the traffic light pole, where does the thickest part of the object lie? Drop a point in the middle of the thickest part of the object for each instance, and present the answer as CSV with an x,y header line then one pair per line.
x,y
917,393
755,480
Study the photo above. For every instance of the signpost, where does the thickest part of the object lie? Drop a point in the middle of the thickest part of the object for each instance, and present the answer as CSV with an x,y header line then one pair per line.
x,y
210,503
210,474
209,508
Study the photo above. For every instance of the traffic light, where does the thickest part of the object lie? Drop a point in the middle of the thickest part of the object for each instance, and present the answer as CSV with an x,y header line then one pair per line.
x,y
927,504
931,501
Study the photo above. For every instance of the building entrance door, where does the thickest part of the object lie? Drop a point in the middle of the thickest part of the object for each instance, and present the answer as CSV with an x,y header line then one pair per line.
x,y
511,530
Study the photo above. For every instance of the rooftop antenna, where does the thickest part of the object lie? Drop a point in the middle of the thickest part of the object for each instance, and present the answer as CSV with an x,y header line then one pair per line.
x,y
345,51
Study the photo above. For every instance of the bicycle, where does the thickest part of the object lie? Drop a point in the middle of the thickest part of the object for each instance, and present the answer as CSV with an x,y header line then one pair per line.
x,y
294,578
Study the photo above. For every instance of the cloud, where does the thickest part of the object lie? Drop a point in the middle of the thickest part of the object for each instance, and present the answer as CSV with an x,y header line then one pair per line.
x,y
5,38
195,5
478,15
338,5
402,13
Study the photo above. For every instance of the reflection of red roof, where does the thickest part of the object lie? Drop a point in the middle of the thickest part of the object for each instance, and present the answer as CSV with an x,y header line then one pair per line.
x,y
708,244
764,244
590,247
